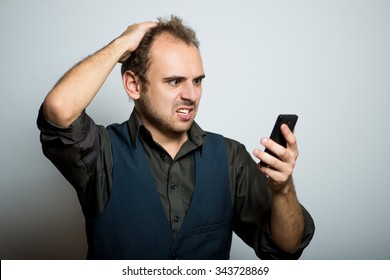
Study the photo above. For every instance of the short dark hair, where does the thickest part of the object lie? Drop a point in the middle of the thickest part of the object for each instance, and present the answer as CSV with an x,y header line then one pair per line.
x,y
139,60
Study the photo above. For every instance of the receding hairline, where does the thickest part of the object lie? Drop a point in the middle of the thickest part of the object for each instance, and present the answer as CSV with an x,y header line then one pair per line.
x,y
172,38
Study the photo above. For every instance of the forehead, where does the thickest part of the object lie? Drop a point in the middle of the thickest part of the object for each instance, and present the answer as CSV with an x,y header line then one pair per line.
x,y
169,54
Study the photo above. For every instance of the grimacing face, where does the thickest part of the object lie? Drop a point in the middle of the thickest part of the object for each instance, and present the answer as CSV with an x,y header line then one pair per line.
x,y
175,75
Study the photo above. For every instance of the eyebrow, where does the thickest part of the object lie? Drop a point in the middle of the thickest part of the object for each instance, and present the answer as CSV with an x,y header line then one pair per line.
x,y
201,77
177,77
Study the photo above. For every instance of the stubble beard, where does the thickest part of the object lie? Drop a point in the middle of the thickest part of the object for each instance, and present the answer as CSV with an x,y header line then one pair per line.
x,y
163,122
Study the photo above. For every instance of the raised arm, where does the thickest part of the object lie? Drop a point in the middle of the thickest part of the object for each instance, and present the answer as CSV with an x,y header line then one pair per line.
x,y
76,89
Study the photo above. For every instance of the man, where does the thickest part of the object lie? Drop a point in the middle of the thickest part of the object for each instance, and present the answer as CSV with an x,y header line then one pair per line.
x,y
158,186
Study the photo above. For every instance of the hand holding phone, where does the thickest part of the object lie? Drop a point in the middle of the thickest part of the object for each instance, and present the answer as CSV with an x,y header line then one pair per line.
x,y
276,134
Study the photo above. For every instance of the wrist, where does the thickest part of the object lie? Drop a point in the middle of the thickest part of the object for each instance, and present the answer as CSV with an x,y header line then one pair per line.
x,y
282,189
119,49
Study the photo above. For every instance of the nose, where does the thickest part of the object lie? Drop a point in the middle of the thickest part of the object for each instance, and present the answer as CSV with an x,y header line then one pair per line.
x,y
190,91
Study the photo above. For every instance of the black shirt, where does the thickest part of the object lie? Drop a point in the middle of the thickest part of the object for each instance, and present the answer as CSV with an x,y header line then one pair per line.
x,y
82,153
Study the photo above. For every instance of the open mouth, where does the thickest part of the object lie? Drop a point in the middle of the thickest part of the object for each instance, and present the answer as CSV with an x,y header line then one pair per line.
x,y
183,111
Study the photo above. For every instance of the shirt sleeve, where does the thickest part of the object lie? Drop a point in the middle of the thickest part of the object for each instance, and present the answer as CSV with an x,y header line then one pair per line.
x,y
81,152
252,200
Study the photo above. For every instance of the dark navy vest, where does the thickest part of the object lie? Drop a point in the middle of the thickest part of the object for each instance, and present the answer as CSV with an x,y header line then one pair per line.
x,y
134,225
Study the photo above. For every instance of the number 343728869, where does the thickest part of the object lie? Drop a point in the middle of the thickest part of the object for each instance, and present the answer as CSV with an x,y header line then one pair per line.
x,y
241,270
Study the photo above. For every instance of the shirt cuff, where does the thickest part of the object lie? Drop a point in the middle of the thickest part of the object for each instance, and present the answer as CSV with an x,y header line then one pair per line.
x,y
75,133
269,250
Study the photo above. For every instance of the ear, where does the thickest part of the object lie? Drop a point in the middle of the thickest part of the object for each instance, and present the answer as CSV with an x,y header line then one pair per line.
x,y
131,84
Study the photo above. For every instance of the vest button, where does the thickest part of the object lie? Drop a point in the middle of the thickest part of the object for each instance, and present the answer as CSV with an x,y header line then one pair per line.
x,y
177,219
173,186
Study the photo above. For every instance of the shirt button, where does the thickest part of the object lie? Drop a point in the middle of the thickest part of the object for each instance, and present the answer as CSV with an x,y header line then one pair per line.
x,y
163,155
177,219
173,186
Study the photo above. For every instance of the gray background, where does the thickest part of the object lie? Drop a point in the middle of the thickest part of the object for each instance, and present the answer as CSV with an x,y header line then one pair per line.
x,y
327,61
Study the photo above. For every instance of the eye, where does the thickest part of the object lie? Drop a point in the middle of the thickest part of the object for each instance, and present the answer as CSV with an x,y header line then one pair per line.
x,y
174,82
197,81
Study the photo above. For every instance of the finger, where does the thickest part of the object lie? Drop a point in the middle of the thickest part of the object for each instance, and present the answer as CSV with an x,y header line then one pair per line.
x,y
282,159
288,135
270,160
264,157
277,149
278,177
134,34
291,140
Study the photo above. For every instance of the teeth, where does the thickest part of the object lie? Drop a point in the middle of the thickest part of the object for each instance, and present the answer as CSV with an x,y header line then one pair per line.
x,y
183,111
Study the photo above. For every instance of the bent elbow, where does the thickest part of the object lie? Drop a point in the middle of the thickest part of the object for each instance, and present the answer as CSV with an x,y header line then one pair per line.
x,y
58,112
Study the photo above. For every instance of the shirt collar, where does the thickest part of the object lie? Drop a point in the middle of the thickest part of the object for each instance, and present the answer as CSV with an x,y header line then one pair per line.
x,y
195,133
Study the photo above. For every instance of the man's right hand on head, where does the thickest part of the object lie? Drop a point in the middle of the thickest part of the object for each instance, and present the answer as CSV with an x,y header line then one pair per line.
x,y
133,36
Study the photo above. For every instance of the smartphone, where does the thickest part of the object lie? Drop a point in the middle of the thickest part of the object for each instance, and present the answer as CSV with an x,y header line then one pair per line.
x,y
276,133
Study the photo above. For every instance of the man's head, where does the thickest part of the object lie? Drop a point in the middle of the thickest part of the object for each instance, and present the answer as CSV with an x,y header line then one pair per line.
x,y
164,78
139,61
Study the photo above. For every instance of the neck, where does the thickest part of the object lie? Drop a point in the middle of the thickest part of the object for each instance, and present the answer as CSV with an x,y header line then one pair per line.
x,y
171,142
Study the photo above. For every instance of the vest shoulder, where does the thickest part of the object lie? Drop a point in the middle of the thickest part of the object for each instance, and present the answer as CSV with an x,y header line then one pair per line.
x,y
214,135
114,126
